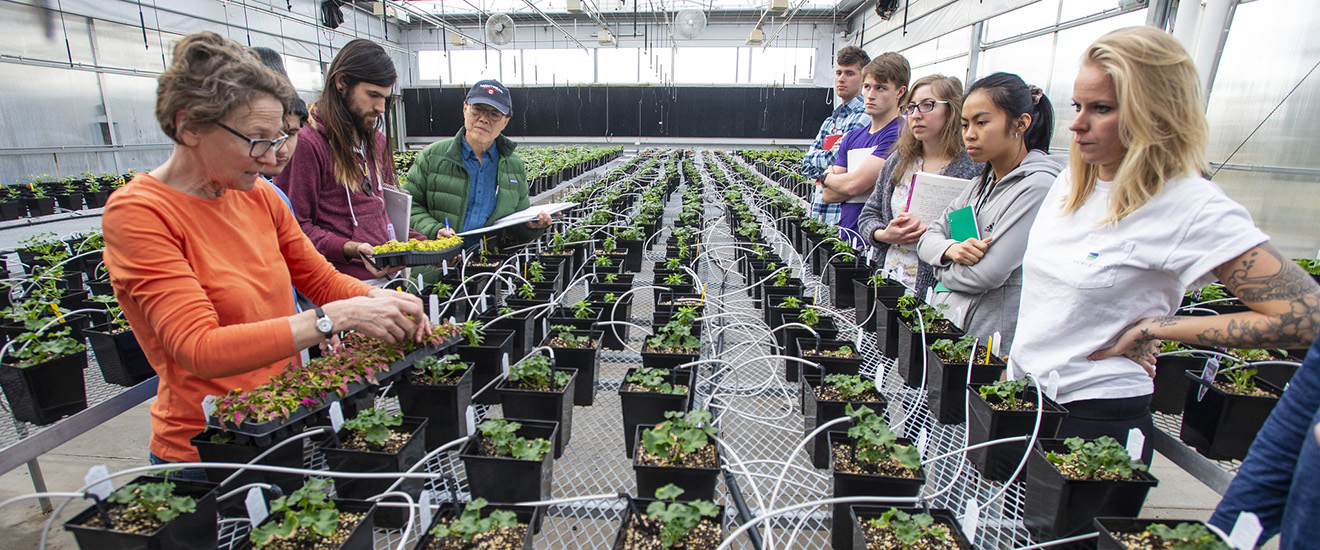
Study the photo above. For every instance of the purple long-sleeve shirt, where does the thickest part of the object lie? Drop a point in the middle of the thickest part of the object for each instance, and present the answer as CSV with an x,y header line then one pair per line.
x,y
329,213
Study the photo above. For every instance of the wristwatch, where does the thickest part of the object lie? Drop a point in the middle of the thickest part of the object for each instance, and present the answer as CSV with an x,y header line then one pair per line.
x,y
323,323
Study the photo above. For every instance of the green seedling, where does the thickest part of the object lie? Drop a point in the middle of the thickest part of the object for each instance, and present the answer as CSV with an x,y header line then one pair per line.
x,y
473,331
677,519
652,380
536,373
910,529
153,503
436,370
1187,536
565,333
503,435
876,443
308,516
955,352
1007,391
679,434
851,386
581,309
374,424
469,524
1101,455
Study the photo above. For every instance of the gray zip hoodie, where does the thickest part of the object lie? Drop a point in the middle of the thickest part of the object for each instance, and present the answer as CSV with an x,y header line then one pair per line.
x,y
985,296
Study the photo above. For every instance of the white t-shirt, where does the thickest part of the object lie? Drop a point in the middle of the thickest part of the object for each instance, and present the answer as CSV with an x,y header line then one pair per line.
x,y
1085,282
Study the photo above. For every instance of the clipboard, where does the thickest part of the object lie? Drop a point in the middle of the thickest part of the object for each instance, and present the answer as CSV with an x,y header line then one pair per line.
x,y
832,140
962,226
398,207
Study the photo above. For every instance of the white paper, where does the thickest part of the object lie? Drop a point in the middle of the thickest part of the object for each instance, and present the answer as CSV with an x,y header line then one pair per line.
x,y
521,216
398,206
1136,443
103,489
256,506
336,416
1245,531
434,307
208,405
971,517
933,193
857,156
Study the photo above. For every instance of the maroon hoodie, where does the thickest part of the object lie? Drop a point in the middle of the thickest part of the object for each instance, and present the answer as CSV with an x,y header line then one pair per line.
x,y
329,213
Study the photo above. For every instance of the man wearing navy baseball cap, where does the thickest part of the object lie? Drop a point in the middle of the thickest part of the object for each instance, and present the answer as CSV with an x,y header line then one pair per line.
x,y
473,179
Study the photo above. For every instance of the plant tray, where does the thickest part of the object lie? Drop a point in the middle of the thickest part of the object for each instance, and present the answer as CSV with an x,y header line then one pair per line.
x,y
412,258
262,434
397,368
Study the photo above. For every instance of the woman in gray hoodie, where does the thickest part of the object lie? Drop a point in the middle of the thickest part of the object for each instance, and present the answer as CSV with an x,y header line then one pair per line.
x,y
1006,125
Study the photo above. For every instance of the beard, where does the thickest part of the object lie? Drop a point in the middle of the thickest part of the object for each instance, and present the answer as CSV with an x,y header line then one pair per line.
x,y
365,129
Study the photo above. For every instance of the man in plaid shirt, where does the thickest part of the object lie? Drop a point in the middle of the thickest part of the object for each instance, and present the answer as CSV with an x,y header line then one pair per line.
x,y
850,115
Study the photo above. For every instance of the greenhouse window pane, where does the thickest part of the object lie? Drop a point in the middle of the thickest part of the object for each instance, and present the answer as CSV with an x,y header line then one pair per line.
x,y
305,74
783,65
1067,63
1028,59
706,65
558,66
616,65
1029,18
469,66
511,69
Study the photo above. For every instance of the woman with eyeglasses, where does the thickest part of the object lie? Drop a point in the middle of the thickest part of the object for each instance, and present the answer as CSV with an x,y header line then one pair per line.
x,y
932,142
1006,125
201,257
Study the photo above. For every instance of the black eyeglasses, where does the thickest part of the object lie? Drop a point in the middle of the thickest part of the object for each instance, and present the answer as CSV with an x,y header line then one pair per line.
x,y
925,106
258,147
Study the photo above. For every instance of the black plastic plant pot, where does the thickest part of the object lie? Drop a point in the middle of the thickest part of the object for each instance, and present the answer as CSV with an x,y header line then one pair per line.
x,y
671,361
697,483
196,530
852,485
641,504
632,261
71,201
1058,507
488,362
523,327
1108,527
45,392
362,536
44,206
946,383
809,349
527,515
12,210
96,199
1223,425
640,407
1170,384
585,361
986,423
397,369
886,326
841,287
546,406
865,297
350,460
911,354
819,411
289,456
862,513
263,433
790,336
120,356
508,479
443,406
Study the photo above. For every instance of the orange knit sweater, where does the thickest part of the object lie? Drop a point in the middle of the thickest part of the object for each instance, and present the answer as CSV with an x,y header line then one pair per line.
x,y
205,284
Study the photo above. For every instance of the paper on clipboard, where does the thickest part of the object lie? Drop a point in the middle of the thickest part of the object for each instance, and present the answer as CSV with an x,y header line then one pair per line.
x,y
857,156
398,206
521,216
932,193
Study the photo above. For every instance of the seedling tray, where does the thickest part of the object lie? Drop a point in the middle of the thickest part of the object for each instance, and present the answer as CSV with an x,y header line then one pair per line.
x,y
412,258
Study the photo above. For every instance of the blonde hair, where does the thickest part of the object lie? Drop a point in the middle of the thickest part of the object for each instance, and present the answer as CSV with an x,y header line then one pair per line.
x,y
950,140
1160,119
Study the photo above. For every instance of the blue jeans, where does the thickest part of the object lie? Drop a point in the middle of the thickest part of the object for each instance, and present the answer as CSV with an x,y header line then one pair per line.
x,y
188,474
1280,478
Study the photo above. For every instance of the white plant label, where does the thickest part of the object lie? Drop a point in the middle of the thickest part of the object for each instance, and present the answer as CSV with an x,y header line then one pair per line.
x,y
858,342
452,320
504,366
482,305
471,416
208,405
1136,443
930,294
425,508
1052,385
545,326
419,281
971,517
922,438
256,506
1245,531
586,287
994,346
434,306
336,416
444,268
1208,374
103,489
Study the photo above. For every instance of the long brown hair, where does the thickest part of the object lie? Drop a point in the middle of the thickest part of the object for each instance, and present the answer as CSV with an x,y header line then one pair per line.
x,y
359,61
950,141
1160,121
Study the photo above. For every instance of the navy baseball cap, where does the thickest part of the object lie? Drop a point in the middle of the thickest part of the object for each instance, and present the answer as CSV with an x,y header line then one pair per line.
x,y
492,93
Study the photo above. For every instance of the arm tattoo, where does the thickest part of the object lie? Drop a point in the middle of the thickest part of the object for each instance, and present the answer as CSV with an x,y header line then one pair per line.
x,y
1253,282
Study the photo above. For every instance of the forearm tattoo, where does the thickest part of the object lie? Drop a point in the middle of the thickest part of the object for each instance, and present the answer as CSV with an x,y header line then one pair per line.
x,y
1277,281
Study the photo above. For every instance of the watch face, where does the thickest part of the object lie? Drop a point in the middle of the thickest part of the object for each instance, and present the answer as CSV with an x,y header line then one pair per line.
x,y
324,324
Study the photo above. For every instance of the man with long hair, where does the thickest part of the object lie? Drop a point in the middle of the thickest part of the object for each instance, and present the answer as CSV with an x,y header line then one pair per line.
x,y
338,174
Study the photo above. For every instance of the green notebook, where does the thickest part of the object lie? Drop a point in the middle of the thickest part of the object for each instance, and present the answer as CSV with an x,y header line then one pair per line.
x,y
962,226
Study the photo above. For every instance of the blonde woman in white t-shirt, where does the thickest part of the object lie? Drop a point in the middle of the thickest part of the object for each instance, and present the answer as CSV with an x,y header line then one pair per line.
x,y
1127,228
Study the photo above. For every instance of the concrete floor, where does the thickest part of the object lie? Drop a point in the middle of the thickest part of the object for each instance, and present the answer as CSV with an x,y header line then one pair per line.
x,y
122,443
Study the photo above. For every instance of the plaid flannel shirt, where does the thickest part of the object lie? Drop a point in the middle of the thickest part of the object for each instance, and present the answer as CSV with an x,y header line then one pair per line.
x,y
816,163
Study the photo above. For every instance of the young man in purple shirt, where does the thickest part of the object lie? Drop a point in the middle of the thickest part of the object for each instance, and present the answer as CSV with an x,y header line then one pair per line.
x,y
862,152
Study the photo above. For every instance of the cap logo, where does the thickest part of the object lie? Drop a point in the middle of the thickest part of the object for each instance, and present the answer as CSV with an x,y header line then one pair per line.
x,y
492,90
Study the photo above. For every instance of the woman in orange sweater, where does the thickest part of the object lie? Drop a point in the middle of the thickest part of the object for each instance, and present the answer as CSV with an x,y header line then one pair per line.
x,y
201,258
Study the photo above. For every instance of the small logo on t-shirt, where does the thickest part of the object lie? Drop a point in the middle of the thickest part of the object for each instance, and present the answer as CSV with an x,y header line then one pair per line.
x,y
1092,257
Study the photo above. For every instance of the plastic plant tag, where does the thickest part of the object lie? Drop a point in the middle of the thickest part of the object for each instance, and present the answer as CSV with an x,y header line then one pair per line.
x,y
208,405
922,441
971,517
419,282
1208,374
1052,386
858,341
471,417
256,506
102,489
1246,530
994,346
444,268
1136,443
504,365
586,287
453,320
482,305
424,508
336,416
930,294
545,326
434,307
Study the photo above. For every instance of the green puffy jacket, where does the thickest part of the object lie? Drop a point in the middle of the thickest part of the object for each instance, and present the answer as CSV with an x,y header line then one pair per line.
x,y
438,182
